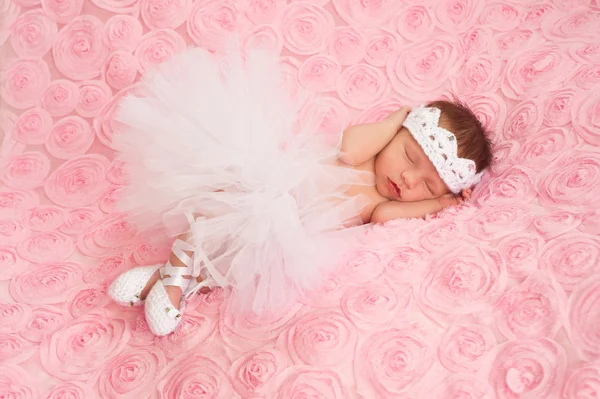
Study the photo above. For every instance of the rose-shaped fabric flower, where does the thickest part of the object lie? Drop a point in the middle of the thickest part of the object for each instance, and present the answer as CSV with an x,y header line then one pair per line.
x,y
578,23
289,76
328,294
26,171
500,221
14,349
441,234
26,3
362,265
461,386
557,107
13,202
587,76
85,298
378,369
572,258
79,50
556,223
319,73
463,281
193,329
16,383
32,126
211,22
306,382
10,12
405,265
378,112
321,338
46,284
118,6
117,174
78,182
582,381
44,321
23,81
524,120
533,16
570,179
514,185
156,47
586,116
265,37
263,11
465,347
70,390
375,304
69,137
531,368
12,231
60,97
105,269
211,302
584,310
120,69
380,47
457,16
252,331
148,254
122,32
504,156
521,253
193,373
420,70
500,16
11,263
361,85
331,116
140,333
490,109
62,11
13,317
44,218
414,22
32,34
107,234
533,72
78,350
160,14
531,309
546,145
479,74
347,45
504,45
131,373
305,27
78,220
93,94
365,13
253,372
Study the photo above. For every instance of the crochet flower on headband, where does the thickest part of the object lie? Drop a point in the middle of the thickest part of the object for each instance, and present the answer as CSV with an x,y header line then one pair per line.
x,y
441,147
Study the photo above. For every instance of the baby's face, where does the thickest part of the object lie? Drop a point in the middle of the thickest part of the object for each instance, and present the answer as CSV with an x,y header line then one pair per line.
x,y
404,173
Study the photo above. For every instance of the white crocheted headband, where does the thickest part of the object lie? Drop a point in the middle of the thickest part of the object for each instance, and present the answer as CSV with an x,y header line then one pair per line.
x,y
440,146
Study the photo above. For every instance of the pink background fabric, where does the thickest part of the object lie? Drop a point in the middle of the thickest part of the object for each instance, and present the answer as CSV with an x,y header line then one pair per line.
x,y
499,298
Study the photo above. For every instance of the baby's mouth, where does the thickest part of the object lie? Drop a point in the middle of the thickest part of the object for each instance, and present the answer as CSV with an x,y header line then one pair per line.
x,y
395,190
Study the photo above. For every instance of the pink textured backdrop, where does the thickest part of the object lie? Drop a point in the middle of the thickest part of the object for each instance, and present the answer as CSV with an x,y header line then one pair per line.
x,y
496,299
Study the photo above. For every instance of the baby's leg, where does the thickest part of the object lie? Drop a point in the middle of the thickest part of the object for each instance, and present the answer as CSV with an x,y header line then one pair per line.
x,y
173,291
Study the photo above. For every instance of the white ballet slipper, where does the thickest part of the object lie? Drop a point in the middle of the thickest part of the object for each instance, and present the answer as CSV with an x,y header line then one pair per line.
x,y
126,288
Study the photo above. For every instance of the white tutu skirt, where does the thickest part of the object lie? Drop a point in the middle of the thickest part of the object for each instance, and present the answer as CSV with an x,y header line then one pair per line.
x,y
216,140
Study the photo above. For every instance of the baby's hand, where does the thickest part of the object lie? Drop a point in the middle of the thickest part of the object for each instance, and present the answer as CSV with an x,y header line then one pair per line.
x,y
453,199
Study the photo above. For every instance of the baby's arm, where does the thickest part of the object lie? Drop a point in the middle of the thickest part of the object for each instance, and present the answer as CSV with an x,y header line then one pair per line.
x,y
362,142
411,210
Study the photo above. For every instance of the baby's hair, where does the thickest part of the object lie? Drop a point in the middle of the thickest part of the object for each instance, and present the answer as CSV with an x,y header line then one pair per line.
x,y
471,136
